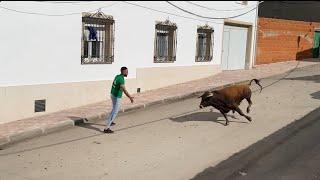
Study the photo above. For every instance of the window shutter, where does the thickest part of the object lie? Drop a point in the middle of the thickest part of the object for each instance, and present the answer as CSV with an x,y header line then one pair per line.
x,y
170,45
174,44
109,42
208,46
211,45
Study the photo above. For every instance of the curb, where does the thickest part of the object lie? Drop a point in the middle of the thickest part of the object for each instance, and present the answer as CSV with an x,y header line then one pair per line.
x,y
4,141
153,103
24,135
11,139
133,108
58,127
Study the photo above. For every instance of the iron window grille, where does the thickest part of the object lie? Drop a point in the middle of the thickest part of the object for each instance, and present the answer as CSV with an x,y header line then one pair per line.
x,y
97,45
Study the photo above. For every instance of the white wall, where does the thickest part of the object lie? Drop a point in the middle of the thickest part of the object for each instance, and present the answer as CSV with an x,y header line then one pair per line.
x,y
38,49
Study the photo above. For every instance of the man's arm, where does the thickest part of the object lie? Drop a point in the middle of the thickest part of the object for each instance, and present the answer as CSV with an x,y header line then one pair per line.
x,y
123,88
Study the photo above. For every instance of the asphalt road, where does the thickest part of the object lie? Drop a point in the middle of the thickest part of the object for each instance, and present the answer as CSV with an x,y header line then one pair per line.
x,y
292,153
180,141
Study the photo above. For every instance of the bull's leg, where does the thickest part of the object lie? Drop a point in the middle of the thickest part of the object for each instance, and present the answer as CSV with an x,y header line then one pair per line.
x,y
250,103
241,113
238,105
227,120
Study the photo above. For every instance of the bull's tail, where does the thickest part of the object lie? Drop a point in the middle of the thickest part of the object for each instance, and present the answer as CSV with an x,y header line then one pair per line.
x,y
257,82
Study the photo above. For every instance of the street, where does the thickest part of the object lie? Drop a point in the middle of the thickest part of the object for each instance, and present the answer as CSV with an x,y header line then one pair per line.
x,y
180,141
293,153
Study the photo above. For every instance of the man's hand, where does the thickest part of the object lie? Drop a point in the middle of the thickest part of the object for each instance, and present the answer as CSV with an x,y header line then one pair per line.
x,y
131,99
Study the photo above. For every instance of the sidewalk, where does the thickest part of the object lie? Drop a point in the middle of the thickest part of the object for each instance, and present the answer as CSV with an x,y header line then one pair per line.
x,y
31,127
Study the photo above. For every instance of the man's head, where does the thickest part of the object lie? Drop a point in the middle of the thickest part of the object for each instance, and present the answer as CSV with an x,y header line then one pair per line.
x,y
124,71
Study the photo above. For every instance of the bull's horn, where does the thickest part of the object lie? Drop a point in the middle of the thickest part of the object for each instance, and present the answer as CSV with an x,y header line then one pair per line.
x,y
210,94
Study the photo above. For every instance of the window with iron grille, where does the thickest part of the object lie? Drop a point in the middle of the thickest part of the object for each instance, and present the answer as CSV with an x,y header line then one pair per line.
x,y
97,39
204,47
165,42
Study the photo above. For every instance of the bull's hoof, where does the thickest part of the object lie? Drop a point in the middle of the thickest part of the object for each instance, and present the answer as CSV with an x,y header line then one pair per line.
x,y
249,118
226,124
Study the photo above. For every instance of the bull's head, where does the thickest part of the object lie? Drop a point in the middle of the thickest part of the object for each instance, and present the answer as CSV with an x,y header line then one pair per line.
x,y
205,99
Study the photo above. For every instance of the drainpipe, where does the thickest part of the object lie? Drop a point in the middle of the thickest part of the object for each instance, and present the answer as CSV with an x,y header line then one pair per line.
x,y
255,37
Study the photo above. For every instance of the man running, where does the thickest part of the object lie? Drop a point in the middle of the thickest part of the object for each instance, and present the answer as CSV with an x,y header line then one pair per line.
x,y
118,87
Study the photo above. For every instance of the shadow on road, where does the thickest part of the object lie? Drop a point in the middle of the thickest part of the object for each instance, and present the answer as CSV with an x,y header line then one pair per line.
x,y
314,78
79,121
204,116
92,126
315,95
237,165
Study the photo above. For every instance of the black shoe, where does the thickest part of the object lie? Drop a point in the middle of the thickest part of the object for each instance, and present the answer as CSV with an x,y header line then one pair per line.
x,y
108,131
112,124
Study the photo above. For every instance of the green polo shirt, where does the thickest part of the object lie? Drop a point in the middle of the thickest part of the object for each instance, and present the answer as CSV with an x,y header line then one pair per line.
x,y
117,82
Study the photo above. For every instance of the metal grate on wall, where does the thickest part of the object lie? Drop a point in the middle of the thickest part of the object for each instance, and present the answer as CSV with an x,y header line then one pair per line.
x,y
40,105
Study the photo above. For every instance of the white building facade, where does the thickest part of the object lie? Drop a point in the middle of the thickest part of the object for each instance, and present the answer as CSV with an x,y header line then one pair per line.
x,y
67,53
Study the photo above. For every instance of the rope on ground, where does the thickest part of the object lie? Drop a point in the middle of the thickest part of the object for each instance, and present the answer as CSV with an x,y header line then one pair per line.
x,y
278,80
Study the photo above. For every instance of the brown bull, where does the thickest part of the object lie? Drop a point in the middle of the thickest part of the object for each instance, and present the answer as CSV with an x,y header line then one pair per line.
x,y
229,98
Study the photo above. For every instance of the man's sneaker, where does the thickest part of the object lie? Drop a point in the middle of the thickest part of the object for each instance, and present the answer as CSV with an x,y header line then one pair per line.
x,y
108,131
112,124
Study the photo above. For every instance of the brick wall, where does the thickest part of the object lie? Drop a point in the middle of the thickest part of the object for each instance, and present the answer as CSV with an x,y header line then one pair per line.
x,y
284,40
